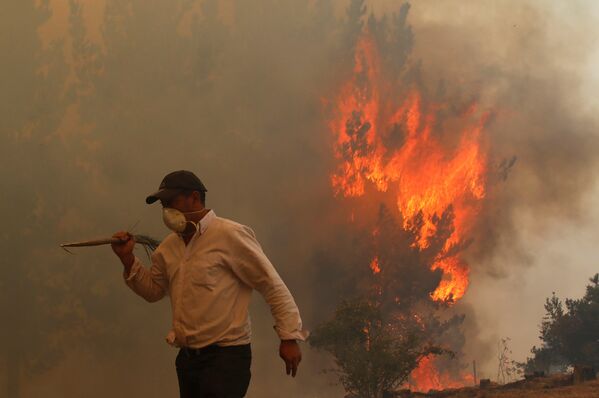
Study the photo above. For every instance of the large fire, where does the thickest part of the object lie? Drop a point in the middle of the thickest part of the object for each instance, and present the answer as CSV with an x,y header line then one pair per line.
x,y
426,175
388,138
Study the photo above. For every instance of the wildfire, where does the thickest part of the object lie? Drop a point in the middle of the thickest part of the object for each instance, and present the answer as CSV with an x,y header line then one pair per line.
x,y
427,377
385,135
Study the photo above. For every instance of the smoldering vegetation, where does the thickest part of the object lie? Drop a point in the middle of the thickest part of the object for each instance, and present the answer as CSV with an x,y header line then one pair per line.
x,y
234,91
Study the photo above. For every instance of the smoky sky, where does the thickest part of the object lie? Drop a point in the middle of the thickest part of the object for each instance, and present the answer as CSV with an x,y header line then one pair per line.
x,y
98,103
530,63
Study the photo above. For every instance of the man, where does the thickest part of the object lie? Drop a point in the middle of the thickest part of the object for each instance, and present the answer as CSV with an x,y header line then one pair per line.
x,y
209,266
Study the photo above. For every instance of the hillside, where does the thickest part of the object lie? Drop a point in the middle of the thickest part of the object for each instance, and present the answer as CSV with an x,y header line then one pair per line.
x,y
542,387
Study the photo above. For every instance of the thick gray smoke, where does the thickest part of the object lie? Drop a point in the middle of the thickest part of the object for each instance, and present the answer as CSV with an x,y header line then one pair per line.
x,y
531,63
100,101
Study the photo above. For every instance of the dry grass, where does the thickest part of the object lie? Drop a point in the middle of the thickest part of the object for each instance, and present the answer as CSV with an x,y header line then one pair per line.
x,y
547,387
585,390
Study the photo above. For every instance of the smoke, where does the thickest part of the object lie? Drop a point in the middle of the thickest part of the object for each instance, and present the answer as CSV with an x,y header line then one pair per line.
x,y
99,102
530,68
529,63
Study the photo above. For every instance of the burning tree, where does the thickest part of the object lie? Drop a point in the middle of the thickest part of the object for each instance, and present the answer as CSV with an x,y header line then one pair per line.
x,y
396,144
391,326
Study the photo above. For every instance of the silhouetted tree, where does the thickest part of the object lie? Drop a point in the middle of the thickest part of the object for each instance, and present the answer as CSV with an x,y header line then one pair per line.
x,y
32,106
48,304
569,332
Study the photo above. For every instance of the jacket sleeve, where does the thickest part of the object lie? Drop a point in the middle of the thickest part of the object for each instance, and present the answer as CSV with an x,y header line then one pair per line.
x,y
253,268
151,284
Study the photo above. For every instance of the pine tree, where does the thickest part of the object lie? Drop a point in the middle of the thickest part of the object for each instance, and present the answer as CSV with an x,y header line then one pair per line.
x,y
569,332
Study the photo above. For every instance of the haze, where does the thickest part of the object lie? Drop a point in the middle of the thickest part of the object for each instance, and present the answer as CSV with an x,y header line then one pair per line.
x,y
100,99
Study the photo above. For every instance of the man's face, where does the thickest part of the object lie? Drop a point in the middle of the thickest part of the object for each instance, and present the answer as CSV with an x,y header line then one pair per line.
x,y
182,202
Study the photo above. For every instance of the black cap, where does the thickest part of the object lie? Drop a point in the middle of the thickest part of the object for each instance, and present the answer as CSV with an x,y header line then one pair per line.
x,y
175,182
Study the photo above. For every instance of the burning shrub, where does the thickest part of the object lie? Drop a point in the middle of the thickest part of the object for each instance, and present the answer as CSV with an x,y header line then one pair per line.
x,y
374,353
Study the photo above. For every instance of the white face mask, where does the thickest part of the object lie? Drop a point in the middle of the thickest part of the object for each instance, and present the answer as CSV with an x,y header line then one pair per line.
x,y
175,220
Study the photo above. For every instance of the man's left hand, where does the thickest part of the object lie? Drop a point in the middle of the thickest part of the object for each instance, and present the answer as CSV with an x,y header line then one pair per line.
x,y
290,352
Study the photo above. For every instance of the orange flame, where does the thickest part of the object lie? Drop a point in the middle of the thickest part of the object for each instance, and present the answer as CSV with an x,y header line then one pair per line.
x,y
427,377
425,174
374,265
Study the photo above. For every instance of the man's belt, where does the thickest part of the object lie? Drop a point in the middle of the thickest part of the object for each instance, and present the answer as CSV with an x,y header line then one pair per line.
x,y
191,352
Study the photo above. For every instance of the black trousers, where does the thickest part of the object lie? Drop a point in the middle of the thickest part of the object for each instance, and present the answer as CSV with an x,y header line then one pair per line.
x,y
214,372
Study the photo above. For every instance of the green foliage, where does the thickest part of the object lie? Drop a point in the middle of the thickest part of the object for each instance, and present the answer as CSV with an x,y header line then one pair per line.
x,y
569,332
373,354
544,359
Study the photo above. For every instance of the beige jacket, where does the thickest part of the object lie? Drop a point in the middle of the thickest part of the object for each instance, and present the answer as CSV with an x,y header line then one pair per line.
x,y
210,283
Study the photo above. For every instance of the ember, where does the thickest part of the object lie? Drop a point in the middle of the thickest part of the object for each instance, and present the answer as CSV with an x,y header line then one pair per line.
x,y
374,265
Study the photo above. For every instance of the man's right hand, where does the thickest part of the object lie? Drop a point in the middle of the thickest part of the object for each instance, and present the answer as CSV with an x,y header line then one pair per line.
x,y
124,249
